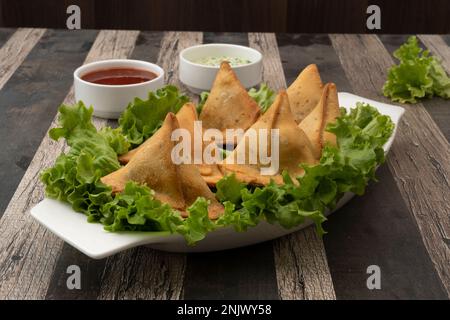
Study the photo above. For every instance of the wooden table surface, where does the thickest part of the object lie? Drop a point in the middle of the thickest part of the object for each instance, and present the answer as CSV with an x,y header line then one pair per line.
x,y
401,224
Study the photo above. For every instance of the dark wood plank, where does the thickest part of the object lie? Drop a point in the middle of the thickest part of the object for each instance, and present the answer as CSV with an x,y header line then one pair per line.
x,y
419,156
28,251
245,273
146,48
300,260
14,51
318,16
226,37
150,274
29,103
5,33
347,240
299,50
436,107
376,229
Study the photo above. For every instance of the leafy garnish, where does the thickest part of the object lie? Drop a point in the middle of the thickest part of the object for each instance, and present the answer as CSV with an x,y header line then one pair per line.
x,y
264,96
418,75
75,179
142,118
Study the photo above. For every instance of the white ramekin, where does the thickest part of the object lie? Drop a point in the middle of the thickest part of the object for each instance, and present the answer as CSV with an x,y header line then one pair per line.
x,y
109,101
198,77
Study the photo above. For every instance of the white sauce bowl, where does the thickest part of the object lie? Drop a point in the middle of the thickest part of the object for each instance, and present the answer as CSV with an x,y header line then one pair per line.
x,y
109,101
198,77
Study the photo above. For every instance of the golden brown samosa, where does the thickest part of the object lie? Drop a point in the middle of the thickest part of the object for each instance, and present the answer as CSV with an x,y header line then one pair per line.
x,y
326,111
228,106
305,92
177,185
294,146
185,116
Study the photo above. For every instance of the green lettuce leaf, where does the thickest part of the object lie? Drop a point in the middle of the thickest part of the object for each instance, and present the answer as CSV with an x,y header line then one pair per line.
x,y
418,75
264,96
116,139
75,179
360,134
142,118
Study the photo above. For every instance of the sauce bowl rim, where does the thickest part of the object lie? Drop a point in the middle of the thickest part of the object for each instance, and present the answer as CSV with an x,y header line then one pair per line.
x,y
185,60
77,73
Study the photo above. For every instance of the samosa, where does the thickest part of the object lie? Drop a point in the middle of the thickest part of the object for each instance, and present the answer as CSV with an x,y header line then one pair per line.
x,y
326,111
305,92
186,118
228,106
294,147
177,185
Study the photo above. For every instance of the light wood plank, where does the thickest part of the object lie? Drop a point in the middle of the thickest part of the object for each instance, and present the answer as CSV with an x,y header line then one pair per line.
x,y
143,273
300,259
28,252
419,158
15,50
438,47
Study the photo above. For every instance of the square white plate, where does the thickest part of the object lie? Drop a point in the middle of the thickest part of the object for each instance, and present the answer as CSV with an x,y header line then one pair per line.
x,y
94,241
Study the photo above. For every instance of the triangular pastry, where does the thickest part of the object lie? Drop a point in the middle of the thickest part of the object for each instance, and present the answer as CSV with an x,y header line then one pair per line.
x,y
326,111
177,185
228,105
294,147
186,117
304,93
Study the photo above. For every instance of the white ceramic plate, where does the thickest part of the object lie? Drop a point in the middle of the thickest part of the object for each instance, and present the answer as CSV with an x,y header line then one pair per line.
x,y
92,240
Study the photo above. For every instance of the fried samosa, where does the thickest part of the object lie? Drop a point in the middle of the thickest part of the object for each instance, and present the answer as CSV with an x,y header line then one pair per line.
x,y
326,111
177,185
294,147
305,92
228,106
186,117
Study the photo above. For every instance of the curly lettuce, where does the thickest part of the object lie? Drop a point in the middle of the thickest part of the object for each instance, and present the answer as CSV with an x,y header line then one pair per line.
x,y
142,118
360,134
75,176
418,75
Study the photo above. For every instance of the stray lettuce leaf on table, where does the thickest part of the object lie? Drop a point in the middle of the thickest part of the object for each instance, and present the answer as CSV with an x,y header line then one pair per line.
x,y
418,75
75,176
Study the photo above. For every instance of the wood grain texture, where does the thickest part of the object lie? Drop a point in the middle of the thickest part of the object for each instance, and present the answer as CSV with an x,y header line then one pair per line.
x,y
27,101
144,273
300,260
436,107
241,273
419,156
358,235
28,252
5,33
14,51
147,48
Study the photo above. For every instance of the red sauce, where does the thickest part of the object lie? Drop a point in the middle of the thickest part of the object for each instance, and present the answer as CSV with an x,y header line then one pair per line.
x,y
119,76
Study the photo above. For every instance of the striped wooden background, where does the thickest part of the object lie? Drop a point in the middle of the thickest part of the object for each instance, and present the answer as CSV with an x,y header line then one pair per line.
x,y
402,224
